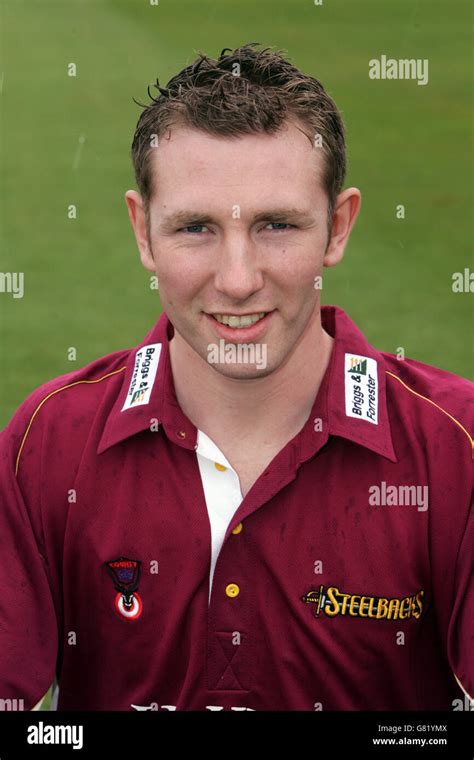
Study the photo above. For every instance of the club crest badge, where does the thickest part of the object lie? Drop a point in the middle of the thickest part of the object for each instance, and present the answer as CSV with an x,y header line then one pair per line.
x,y
125,574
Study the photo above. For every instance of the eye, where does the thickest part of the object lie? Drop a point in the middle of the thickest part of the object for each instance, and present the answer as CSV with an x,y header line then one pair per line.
x,y
193,228
279,226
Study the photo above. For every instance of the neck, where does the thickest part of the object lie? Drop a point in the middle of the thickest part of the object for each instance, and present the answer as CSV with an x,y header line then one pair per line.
x,y
281,402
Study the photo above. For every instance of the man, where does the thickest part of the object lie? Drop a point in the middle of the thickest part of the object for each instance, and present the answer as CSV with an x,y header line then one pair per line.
x,y
254,509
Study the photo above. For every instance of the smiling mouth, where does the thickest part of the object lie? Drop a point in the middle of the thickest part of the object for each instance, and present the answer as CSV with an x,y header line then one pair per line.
x,y
239,321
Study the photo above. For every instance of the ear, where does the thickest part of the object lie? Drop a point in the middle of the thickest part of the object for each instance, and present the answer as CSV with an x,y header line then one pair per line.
x,y
346,210
136,213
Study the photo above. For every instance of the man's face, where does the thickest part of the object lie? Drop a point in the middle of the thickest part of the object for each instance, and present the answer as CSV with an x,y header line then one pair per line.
x,y
238,226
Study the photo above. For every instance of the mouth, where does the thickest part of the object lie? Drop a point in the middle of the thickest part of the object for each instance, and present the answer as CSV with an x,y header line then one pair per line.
x,y
240,327
239,321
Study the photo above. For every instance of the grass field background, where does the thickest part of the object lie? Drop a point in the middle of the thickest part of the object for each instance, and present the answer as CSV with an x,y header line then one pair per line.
x,y
407,144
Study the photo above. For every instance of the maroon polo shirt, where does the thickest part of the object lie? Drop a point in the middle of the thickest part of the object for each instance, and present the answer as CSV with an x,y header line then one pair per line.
x,y
343,579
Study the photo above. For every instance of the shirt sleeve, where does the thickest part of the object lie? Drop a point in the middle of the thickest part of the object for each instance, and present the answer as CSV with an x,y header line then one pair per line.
x,y
461,624
28,625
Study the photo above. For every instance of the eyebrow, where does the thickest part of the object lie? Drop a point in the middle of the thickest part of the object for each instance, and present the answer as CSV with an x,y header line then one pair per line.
x,y
187,218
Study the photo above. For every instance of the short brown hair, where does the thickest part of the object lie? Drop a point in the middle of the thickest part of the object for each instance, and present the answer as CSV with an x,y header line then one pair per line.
x,y
246,90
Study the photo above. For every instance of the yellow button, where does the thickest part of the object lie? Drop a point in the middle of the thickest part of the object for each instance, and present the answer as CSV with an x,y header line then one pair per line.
x,y
220,467
232,590
237,529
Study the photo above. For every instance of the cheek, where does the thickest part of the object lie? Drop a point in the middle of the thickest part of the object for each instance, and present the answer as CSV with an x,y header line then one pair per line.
x,y
297,270
180,278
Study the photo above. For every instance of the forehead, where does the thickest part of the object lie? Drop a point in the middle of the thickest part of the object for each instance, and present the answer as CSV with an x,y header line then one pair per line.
x,y
245,168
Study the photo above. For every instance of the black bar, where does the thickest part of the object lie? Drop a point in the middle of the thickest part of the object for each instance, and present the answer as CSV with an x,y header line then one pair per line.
x,y
151,734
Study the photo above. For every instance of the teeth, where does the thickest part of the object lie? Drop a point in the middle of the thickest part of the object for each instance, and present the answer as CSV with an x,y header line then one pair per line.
x,y
231,321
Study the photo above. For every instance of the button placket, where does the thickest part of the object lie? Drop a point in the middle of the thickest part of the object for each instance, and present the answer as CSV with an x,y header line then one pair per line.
x,y
229,651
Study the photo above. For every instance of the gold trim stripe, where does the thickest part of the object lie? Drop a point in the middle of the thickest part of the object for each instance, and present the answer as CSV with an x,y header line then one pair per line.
x,y
437,407
471,699
115,372
53,393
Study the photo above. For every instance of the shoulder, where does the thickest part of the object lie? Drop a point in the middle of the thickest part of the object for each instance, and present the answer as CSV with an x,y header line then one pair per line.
x,y
439,401
66,404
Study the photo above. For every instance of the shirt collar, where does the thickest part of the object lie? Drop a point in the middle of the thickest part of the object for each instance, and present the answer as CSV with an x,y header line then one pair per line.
x,y
329,408
162,407
328,415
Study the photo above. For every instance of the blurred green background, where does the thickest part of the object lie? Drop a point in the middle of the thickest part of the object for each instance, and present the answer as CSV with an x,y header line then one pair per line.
x,y
66,140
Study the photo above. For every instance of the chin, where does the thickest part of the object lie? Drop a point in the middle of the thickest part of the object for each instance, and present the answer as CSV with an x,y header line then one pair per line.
x,y
238,372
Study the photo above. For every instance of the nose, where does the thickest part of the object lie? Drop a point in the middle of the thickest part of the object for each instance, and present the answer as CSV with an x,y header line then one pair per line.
x,y
238,273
